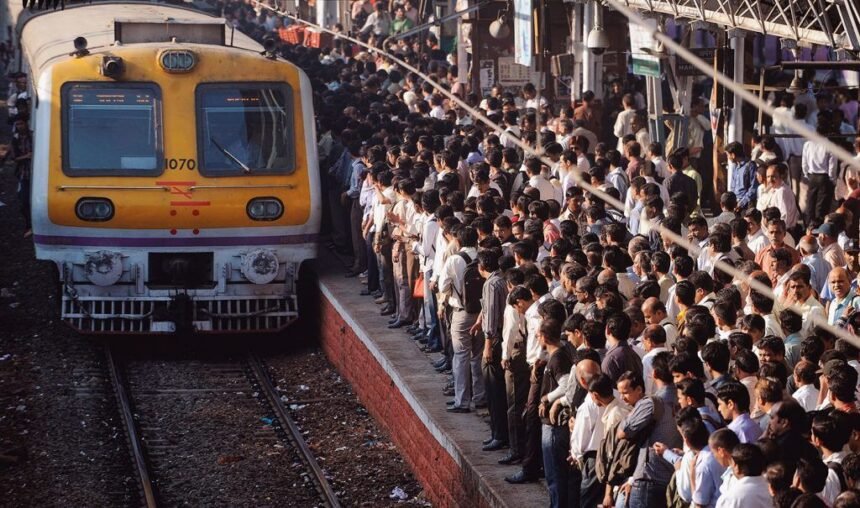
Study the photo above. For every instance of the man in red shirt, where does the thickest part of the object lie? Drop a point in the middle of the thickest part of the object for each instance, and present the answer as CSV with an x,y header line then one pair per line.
x,y
776,235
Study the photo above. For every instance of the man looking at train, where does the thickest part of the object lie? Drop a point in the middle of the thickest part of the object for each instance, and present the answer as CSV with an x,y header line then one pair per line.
x,y
350,199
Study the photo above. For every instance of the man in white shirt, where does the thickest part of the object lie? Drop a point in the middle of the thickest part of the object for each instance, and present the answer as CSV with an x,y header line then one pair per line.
x,y
799,292
654,342
778,194
425,247
821,168
531,98
467,347
830,434
804,378
585,434
540,182
749,488
624,121
757,239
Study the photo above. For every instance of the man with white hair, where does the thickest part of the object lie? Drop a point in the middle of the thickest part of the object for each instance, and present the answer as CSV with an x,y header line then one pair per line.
x,y
811,257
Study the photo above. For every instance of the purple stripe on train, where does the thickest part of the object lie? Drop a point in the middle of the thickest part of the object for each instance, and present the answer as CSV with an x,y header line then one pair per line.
x,y
213,241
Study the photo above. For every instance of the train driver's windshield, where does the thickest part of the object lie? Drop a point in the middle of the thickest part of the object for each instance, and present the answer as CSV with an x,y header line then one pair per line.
x,y
111,129
244,129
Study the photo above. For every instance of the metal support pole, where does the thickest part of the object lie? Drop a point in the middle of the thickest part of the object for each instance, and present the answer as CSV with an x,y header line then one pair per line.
x,y
736,120
462,57
589,76
539,67
654,91
576,49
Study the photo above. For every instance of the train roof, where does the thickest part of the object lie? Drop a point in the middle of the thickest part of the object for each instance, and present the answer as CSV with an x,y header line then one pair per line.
x,y
48,35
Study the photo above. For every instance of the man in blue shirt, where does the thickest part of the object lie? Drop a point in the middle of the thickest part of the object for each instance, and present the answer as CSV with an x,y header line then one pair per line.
x,y
733,403
743,182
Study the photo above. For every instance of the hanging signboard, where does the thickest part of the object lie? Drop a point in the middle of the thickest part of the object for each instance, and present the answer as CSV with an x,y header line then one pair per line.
x,y
643,49
487,76
523,38
514,74
685,68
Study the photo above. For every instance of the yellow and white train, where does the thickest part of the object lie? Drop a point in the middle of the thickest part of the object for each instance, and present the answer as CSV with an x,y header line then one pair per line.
x,y
175,172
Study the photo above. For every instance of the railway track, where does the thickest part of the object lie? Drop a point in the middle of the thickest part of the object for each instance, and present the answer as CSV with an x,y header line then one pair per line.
x,y
175,456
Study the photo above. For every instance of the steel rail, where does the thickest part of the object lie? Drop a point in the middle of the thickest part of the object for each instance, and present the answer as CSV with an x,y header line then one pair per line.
x,y
287,422
119,385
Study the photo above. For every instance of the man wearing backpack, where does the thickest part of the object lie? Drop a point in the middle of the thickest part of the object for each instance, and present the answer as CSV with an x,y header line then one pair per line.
x,y
463,284
830,433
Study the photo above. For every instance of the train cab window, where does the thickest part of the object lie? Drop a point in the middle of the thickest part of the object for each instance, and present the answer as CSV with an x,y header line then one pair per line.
x,y
245,128
111,129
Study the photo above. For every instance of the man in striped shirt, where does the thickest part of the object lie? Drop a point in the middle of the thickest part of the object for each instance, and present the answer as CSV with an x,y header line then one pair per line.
x,y
493,300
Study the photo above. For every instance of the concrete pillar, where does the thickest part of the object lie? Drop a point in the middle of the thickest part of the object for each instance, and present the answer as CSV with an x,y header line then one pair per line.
x,y
328,13
736,121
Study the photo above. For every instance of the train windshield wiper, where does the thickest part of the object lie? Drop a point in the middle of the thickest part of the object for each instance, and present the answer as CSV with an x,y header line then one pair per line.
x,y
230,155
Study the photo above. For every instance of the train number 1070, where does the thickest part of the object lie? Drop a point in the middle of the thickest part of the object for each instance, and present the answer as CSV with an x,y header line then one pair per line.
x,y
180,164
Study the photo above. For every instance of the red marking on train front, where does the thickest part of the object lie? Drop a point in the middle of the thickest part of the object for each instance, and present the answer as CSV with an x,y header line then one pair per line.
x,y
189,203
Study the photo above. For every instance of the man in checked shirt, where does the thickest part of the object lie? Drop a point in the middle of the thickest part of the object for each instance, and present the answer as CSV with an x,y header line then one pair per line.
x,y
493,299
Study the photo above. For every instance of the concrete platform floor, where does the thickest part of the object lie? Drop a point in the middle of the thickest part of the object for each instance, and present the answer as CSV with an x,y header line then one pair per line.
x,y
411,370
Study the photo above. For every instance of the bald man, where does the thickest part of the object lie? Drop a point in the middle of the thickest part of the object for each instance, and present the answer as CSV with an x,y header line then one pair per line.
x,y
655,314
811,257
843,296
586,431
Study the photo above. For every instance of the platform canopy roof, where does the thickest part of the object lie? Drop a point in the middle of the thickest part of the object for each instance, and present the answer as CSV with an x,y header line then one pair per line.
x,y
834,23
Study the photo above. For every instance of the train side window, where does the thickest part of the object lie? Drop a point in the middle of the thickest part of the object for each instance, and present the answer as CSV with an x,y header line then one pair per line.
x,y
245,128
112,129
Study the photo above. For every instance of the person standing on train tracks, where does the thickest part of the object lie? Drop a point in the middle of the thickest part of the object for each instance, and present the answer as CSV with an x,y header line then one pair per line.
x,y
22,154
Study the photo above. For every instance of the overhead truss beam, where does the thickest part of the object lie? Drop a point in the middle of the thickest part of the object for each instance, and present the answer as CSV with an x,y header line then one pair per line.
x,y
834,23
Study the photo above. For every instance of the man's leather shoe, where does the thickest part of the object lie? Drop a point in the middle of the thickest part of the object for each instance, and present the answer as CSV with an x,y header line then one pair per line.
x,y
386,311
444,366
427,349
380,300
392,320
487,441
457,409
397,324
494,445
510,459
417,336
520,477
449,392
450,402
376,294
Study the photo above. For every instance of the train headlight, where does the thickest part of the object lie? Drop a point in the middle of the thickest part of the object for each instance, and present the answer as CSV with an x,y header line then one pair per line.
x,y
103,268
260,266
94,209
265,209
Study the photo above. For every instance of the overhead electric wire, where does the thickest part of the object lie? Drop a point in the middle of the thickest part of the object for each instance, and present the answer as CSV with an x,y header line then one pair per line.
x,y
810,135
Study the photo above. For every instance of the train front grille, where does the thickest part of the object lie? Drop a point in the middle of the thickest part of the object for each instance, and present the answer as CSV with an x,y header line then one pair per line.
x,y
136,315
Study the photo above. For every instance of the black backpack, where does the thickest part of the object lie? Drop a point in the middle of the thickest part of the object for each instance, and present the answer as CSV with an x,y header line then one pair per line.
x,y
840,473
473,285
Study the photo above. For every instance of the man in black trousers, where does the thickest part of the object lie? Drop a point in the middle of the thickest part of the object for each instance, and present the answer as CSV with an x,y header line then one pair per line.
x,y
493,299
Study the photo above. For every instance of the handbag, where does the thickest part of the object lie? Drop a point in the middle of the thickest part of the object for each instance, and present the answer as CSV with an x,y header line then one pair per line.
x,y
418,290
